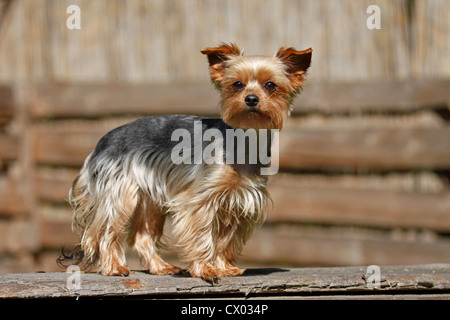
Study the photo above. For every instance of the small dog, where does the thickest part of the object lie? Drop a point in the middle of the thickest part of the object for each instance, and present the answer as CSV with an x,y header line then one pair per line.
x,y
130,183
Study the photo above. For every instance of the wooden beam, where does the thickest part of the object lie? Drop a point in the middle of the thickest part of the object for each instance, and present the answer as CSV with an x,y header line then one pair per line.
x,y
12,198
53,185
271,282
326,246
294,201
377,96
96,100
18,236
6,102
57,234
374,148
351,206
8,147
66,146
305,245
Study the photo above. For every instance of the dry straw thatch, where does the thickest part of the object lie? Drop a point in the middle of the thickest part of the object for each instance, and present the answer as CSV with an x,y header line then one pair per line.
x,y
159,40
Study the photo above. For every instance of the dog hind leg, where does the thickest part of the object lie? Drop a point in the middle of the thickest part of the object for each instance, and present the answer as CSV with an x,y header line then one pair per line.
x,y
148,225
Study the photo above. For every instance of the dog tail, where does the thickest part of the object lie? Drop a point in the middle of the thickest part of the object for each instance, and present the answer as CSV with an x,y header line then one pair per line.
x,y
70,256
76,256
83,211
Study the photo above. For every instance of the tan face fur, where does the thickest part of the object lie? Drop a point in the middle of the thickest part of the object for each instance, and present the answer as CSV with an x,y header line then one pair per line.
x,y
257,91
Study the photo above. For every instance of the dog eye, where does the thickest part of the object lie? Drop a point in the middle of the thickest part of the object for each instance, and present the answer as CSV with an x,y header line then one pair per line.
x,y
238,86
270,86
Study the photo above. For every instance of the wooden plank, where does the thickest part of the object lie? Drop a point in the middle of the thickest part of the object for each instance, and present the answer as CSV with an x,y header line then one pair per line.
x,y
57,234
12,198
53,185
378,96
18,262
96,100
6,102
352,206
309,148
61,146
8,147
331,246
305,245
70,142
18,236
418,279
375,148
328,202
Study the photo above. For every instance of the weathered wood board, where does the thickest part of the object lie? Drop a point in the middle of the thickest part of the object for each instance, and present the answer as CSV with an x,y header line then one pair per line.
x,y
418,280
323,204
12,194
86,100
379,148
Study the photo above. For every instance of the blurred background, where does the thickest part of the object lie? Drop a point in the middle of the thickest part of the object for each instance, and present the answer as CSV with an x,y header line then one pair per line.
x,y
364,159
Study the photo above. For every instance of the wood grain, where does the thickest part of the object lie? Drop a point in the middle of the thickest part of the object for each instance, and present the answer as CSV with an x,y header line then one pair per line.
x,y
374,148
353,206
12,198
334,246
416,279
96,100
328,203
8,147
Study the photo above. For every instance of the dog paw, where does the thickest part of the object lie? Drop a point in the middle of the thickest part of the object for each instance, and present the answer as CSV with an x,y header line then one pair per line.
x,y
167,270
119,271
231,272
205,272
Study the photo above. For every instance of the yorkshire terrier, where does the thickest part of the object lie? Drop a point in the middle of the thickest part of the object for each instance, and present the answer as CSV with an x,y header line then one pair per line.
x,y
130,182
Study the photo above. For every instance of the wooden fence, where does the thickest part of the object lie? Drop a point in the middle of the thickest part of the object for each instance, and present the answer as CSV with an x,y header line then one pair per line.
x,y
364,169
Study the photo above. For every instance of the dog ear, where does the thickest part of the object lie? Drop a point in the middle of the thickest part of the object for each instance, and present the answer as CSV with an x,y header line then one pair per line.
x,y
297,63
217,57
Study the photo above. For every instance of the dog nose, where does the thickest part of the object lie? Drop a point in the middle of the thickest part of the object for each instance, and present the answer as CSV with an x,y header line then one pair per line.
x,y
251,100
